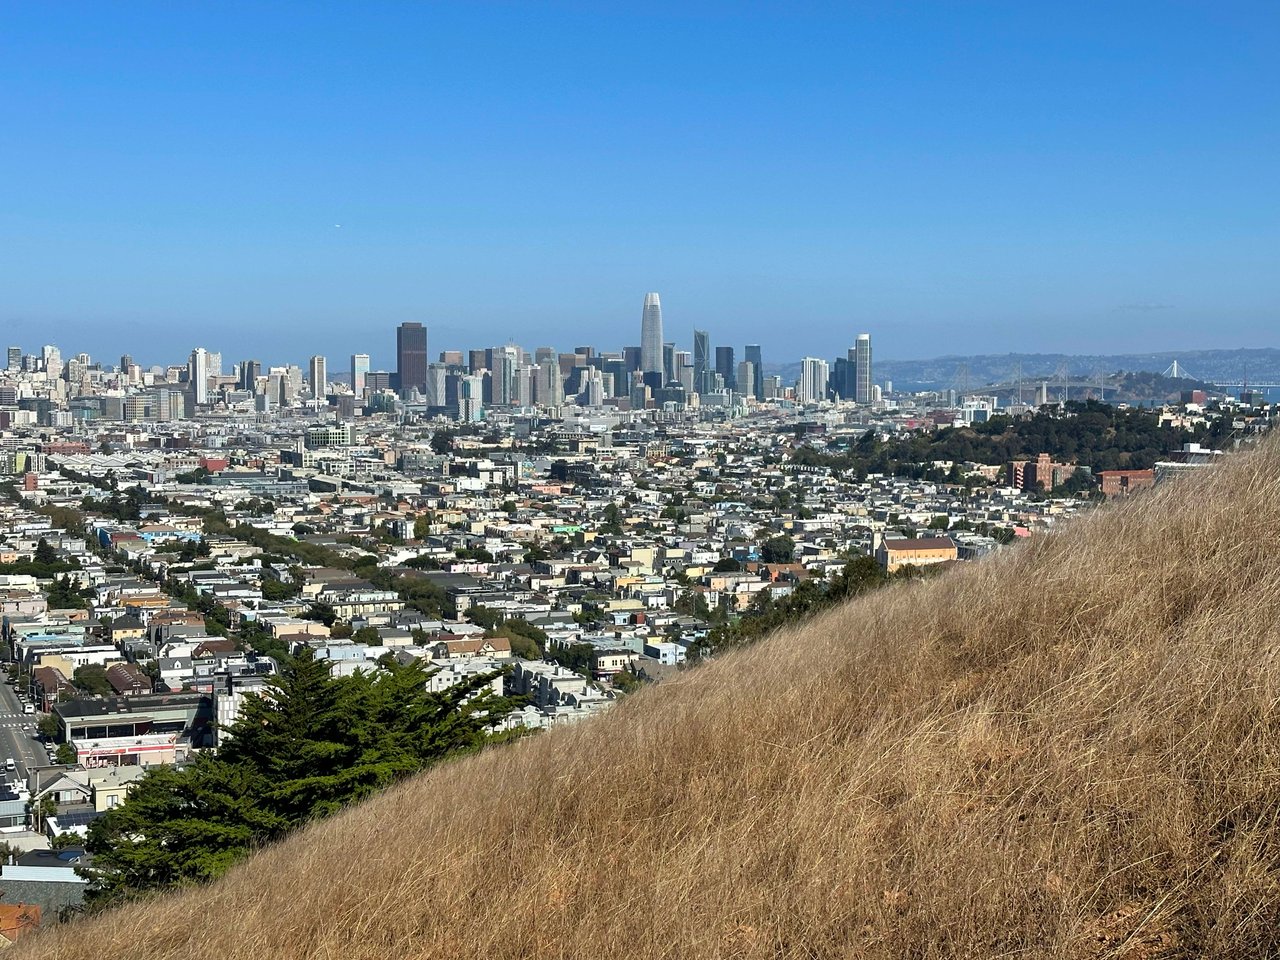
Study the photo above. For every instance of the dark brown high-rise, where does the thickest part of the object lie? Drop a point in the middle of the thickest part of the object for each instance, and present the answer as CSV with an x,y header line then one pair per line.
x,y
411,357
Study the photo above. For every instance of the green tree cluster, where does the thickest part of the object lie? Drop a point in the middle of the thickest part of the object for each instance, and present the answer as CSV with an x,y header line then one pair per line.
x,y
63,595
92,679
807,598
1092,433
311,746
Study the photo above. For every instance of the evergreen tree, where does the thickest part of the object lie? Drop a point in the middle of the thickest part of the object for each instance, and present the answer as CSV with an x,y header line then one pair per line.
x,y
308,747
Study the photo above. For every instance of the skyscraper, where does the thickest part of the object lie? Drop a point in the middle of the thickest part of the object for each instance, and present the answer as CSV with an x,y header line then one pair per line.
x,y
250,371
319,371
411,357
701,361
651,335
15,358
814,374
52,359
359,371
752,356
862,368
726,368
198,375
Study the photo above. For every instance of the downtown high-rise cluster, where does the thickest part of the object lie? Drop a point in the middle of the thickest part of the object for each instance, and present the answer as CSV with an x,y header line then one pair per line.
x,y
654,374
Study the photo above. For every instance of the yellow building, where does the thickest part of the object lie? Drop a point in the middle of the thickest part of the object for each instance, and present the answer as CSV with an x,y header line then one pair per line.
x,y
918,552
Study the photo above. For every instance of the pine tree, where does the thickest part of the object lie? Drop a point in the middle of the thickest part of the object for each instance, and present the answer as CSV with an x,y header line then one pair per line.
x,y
308,747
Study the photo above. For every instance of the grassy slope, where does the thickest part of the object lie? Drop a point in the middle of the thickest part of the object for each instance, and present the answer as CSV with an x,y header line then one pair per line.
x,y
1068,751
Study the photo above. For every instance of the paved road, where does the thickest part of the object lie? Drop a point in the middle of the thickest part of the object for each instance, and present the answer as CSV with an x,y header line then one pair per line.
x,y
16,731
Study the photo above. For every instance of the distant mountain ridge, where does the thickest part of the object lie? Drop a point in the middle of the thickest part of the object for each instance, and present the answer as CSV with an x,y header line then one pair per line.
x,y
1232,366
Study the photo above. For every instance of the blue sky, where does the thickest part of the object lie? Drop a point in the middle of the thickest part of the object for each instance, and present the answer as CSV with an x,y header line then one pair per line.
x,y
951,177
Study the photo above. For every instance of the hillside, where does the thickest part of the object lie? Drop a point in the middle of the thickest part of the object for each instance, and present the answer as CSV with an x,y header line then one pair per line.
x,y
1071,750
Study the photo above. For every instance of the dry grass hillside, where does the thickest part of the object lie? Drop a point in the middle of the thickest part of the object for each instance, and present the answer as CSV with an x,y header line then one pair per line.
x,y
1070,751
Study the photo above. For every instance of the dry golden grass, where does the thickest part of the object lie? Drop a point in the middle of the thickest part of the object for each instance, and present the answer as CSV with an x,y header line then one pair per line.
x,y
1069,751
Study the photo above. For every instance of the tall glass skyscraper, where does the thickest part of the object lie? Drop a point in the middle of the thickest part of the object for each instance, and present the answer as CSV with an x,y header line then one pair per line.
x,y
862,368
726,367
651,335
701,361
411,357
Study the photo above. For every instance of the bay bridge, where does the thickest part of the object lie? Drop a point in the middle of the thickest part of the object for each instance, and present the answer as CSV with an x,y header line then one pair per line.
x,y
1061,385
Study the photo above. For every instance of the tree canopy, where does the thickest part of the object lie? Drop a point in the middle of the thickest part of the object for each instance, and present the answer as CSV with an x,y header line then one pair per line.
x,y
306,749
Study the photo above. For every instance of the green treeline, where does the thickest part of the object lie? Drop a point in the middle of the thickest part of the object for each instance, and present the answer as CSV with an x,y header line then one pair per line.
x,y
809,598
309,747
1093,434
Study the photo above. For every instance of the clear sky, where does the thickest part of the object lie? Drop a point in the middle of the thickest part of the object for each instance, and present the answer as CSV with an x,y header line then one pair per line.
x,y
273,180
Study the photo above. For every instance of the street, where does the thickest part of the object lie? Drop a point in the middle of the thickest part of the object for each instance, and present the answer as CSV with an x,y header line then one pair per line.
x,y
16,731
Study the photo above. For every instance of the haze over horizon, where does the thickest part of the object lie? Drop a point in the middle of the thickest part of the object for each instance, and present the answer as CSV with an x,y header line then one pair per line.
x,y
954,180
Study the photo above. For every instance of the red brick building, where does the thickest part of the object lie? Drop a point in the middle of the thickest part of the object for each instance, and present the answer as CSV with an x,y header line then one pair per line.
x,y
1118,483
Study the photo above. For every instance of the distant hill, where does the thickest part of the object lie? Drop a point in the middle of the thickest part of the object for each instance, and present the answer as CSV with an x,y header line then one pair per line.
x,y
1069,750
940,373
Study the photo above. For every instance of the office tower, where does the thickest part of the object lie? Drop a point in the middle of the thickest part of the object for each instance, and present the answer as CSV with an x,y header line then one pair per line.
x,y
701,361
476,361
451,358
51,359
640,393
773,388
548,387
615,375
375,381
15,358
752,356
522,386
544,355
277,385
812,387
745,377
126,362
862,373
685,376
318,370
215,363
198,375
504,362
631,357
359,371
293,380
651,335
411,357
470,398
842,384
725,367
668,362
250,371
437,385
